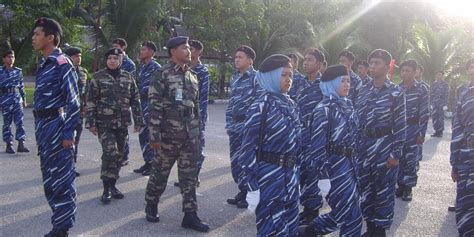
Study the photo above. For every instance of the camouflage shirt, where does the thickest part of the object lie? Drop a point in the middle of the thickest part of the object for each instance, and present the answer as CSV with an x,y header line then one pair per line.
x,y
109,101
173,103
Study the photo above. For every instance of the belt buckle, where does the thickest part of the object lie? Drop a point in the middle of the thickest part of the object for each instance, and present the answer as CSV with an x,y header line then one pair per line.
x,y
281,160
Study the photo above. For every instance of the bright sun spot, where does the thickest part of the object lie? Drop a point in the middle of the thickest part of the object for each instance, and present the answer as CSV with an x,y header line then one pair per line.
x,y
460,8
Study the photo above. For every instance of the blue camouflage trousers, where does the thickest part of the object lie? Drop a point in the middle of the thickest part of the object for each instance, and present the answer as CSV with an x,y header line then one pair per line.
x,y
343,198
12,111
465,195
277,211
235,140
144,137
310,192
438,118
408,165
57,168
377,183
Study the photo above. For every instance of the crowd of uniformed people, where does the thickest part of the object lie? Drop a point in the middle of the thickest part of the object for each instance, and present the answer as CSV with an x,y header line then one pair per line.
x,y
289,132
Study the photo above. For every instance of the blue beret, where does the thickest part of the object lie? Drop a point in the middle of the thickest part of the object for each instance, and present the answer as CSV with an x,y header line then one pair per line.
x,y
247,50
72,51
150,45
273,62
49,24
176,41
113,51
334,71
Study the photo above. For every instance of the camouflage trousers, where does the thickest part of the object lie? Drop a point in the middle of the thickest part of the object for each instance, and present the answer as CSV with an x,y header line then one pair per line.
x,y
113,142
186,153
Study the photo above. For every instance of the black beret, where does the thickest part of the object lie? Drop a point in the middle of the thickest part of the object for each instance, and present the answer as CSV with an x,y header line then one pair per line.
x,y
273,62
176,41
196,44
382,54
50,25
409,63
72,51
247,50
348,54
334,71
120,41
8,52
150,45
113,51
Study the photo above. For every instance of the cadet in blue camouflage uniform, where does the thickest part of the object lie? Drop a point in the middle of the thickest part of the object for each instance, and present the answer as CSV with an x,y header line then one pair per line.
x,y
269,151
362,72
347,58
75,54
381,112
299,82
462,156
147,67
419,79
334,123
307,100
56,112
174,126
112,99
129,66
244,89
417,115
439,103
12,101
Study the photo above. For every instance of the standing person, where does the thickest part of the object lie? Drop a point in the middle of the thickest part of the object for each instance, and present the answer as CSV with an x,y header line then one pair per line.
x,y
381,112
111,100
75,54
307,100
462,150
417,115
299,81
426,86
347,58
147,67
129,66
174,132
12,100
439,103
269,152
332,146
56,112
362,72
244,89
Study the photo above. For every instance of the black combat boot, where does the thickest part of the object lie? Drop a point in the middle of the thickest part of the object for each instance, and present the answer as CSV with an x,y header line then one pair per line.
x,y
106,195
240,196
192,221
306,231
151,211
308,215
379,231
21,147
114,190
370,230
399,190
142,168
407,194
148,170
57,233
9,148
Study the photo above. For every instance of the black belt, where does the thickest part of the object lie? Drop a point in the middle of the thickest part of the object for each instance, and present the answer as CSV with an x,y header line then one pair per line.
x,y
377,132
340,150
7,90
179,113
47,113
238,118
278,159
412,121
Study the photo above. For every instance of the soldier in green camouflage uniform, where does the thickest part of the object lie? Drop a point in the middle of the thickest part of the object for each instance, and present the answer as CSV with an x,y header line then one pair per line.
x,y
75,54
174,132
111,94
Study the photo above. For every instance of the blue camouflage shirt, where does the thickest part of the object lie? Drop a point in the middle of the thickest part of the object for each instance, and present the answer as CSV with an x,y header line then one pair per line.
x,y
298,84
203,77
416,110
356,83
439,93
12,78
128,65
307,100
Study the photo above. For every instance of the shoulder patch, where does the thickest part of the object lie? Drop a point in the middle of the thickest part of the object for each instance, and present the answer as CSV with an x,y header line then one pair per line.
x,y
61,59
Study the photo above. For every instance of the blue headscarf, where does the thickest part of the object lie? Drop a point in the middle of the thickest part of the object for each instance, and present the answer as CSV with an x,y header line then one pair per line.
x,y
270,81
330,88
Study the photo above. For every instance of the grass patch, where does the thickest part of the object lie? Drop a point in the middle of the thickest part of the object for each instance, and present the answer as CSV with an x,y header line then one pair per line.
x,y
29,91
